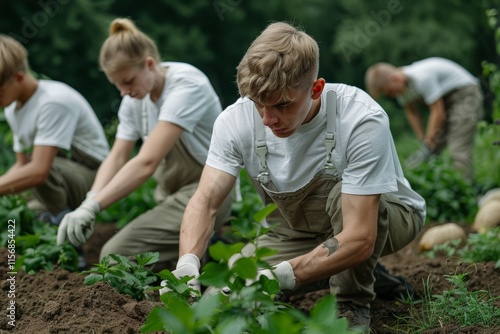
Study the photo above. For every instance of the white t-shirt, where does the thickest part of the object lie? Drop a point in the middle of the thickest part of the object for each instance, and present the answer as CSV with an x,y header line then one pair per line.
x,y
57,115
187,100
432,78
364,156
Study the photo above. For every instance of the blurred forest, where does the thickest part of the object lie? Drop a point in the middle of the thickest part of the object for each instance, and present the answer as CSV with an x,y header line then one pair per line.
x,y
63,37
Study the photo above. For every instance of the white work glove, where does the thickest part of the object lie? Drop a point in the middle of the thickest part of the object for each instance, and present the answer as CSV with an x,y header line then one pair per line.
x,y
78,226
418,157
91,194
188,265
283,272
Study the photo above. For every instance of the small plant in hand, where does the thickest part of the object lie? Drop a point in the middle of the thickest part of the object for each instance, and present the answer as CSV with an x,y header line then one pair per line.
x,y
129,277
239,300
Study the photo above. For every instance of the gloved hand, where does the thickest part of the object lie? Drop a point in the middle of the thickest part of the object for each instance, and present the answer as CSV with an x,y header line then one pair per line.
x,y
188,265
78,226
418,157
283,272
91,194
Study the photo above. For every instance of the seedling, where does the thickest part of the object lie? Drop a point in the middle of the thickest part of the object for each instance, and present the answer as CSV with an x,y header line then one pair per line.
x,y
129,277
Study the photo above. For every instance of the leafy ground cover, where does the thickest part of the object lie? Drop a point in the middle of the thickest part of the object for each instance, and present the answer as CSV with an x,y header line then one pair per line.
x,y
58,301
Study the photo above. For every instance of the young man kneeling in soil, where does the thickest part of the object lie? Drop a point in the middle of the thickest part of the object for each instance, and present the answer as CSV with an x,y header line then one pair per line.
x,y
325,155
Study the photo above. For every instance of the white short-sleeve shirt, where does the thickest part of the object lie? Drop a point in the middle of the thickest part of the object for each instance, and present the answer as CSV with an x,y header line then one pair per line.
x,y
187,100
364,156
432,78
57,115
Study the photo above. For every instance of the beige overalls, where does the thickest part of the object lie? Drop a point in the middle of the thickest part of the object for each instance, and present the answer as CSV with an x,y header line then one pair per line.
x,y
157,230
312,214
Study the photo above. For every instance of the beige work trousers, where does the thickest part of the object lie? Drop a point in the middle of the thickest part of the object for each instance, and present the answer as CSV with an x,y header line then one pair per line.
x,y
464,109
66,186
313,214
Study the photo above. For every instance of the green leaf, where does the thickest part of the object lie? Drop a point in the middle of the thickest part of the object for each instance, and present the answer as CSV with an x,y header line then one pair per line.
x,y
221,251
93,278
245,268
269,286
147,258
215,274
160,319
263,213
234,324
205,310
322,311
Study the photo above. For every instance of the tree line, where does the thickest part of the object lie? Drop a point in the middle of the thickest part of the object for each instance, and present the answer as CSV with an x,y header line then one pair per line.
x,y
63,37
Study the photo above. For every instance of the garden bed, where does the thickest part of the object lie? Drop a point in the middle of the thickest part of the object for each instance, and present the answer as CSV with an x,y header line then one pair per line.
x,y
59,302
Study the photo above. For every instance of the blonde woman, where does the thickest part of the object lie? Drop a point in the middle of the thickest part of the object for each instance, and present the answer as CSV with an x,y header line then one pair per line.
x,y
172,107
58,140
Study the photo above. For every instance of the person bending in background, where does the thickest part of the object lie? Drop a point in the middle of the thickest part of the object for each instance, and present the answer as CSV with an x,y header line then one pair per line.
x,y
324,154
454,99
172,107
58,140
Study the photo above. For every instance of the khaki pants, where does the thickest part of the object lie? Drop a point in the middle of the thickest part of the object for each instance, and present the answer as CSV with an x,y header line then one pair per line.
x,y
157,230
464,108
397,226
66,186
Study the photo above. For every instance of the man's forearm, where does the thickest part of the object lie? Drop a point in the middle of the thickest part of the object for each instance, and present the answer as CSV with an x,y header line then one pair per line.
x,y
329,258
19,179
415,121
196,229
435,125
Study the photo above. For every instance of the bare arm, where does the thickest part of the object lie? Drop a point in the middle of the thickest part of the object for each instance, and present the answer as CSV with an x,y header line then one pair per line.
x,y
435,124
21,160
137,170
26,174
415,121
116,159
350,247
199,217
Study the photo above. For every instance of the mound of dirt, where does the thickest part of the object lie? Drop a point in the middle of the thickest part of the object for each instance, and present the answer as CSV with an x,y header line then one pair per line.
x,y
59,302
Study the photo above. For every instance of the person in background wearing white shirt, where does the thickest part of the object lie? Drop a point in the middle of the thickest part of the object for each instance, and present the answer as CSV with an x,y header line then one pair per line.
x,y
454,99
324,154
58,140
171,107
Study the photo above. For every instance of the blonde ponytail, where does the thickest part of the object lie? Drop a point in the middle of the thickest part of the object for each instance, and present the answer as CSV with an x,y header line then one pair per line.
x,y
126,47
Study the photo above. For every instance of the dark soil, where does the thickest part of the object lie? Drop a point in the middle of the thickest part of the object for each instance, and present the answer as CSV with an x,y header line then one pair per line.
x,y
59,302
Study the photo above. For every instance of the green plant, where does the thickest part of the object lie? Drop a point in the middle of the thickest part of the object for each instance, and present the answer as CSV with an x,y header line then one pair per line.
x,y
449,248
448,196
483,247
39,251
130,277
248,306
458,305
243,209
35,241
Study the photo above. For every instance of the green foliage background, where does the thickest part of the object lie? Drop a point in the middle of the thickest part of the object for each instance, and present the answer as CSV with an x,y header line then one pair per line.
x,y
63,38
